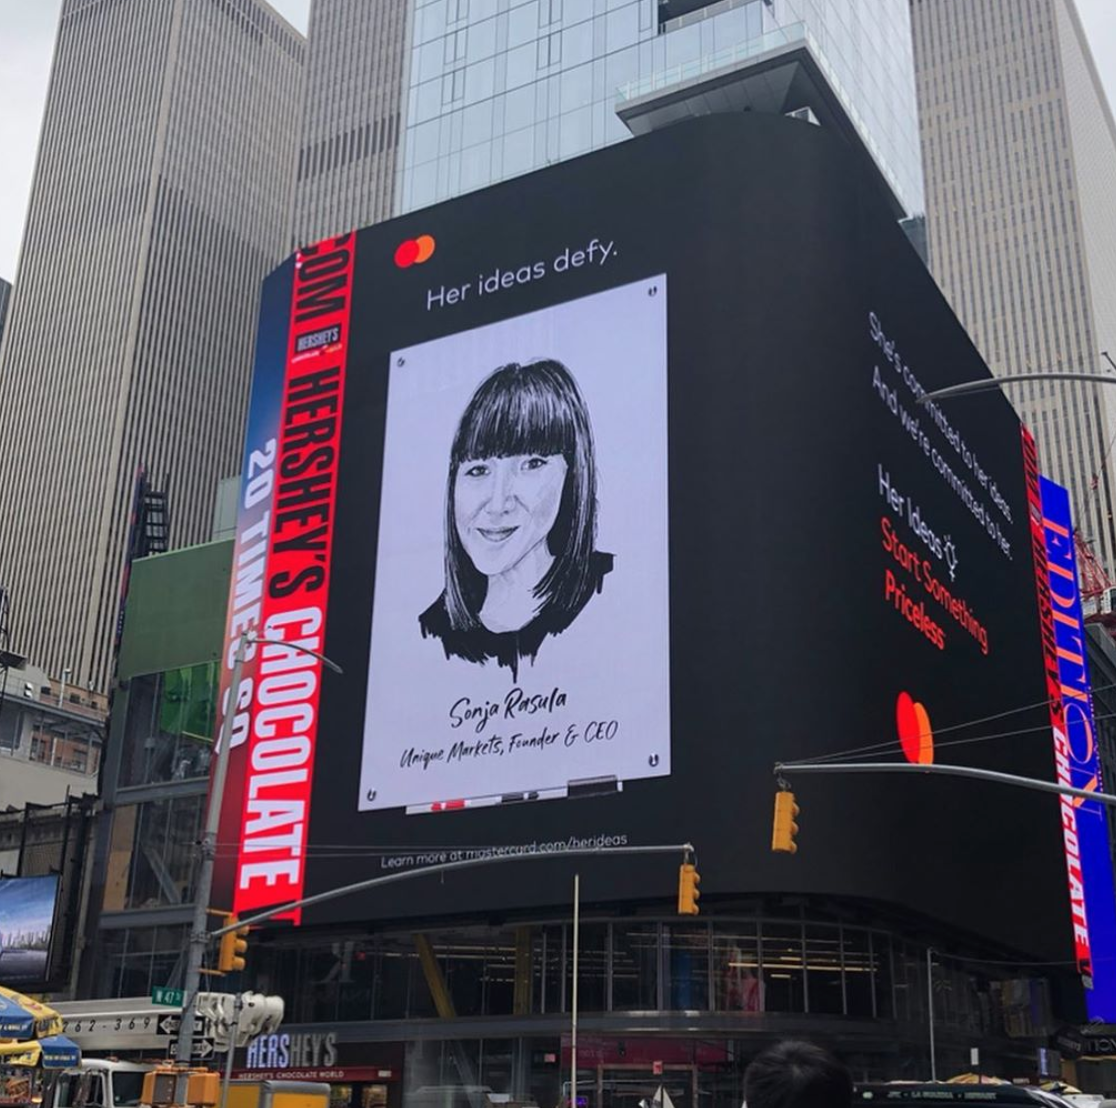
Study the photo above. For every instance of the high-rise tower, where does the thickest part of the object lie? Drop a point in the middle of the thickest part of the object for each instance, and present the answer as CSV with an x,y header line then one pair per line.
x,y
161,197
496,90
353,117
414,101
1019,149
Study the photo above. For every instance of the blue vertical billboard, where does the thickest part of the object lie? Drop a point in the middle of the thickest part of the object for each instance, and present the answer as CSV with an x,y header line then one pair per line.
x,y
1085,827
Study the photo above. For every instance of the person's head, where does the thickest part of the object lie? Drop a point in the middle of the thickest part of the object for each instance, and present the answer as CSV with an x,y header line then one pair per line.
x,y
797,1075
521,473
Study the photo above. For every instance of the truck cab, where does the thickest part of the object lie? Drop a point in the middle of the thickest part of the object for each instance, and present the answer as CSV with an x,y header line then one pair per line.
x,y
98,1083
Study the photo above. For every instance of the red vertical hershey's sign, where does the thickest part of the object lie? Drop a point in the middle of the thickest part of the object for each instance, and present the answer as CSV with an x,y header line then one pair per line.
x,y
278,777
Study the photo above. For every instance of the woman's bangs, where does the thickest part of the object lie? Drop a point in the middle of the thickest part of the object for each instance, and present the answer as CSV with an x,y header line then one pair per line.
x,y
513,415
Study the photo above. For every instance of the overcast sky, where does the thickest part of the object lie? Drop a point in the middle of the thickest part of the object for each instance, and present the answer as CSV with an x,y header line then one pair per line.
x,y
27,40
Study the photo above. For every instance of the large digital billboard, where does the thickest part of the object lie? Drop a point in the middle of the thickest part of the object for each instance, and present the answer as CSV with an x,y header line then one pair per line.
x,y
608,488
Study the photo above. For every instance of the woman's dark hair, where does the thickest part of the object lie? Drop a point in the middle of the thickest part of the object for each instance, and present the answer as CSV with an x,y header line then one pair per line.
x,y
797,1075
528,409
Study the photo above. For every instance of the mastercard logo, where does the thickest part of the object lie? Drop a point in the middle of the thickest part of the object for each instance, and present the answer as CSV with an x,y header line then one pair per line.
x,y
414,251
915,733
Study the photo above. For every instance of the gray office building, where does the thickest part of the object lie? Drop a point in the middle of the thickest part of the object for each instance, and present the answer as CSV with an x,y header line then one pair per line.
x,y
355,72
1019,149
500,89
5,300
161,197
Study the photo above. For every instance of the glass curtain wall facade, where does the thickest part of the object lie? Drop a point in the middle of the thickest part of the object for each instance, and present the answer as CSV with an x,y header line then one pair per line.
x,y
499,88
793,964
158,811
661,1001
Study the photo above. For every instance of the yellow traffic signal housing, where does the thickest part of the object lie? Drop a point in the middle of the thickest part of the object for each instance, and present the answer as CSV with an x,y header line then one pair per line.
x,y
203,1090
785,829
234,945
688,894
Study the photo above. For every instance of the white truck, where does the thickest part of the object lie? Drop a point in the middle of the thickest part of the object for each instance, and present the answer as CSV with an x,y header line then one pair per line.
x,y
98,1083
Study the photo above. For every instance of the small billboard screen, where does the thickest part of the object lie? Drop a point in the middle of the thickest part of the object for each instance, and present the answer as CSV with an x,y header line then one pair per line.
x,y
27,910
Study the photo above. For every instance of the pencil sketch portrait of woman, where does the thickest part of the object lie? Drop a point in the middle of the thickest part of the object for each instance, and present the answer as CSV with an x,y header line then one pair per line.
x,y
520,518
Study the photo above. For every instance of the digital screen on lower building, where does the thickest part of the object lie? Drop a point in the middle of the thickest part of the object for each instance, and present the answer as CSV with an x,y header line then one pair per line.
x,y
606,498
27,909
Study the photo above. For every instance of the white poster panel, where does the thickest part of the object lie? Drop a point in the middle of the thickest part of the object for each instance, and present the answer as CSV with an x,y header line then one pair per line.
x,y
520,627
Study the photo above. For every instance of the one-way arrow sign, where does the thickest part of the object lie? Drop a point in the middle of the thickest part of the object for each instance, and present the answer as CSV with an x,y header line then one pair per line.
x,y
203,1048
168,1025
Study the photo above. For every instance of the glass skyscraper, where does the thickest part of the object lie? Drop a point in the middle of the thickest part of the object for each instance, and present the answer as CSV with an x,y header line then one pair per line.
x,y
498,88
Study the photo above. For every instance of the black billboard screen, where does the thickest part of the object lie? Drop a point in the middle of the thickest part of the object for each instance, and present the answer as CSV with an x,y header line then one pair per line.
x,y
608,488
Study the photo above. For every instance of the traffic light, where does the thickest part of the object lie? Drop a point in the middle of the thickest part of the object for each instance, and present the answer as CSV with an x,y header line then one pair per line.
x,y
785,829
234,945
688,895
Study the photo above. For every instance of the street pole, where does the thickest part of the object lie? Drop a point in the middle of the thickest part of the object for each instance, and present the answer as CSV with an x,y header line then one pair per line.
x,y
930,1010
685,849
573,1006
232,1051
990,384
199,937
788,769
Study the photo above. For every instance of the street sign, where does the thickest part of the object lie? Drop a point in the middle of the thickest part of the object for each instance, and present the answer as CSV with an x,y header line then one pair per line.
x,y
203,1048
173,998
122,1029
130,1023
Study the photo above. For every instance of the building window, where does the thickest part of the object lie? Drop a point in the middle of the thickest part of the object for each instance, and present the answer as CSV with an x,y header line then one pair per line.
x,y
686,967
737,982
455,47
783,970
152,853
57,743
453,86
134,959
635,967
170,724
549,50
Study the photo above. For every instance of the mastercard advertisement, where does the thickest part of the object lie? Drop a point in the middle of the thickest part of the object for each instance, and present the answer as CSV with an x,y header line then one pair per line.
x,y
607,498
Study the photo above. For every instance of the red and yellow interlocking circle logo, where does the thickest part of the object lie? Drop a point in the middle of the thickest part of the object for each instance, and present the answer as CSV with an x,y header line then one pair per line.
x,y
414,251
915,733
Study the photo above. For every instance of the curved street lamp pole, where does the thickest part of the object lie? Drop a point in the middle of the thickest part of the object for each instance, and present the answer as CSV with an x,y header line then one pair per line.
x,y
987,384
